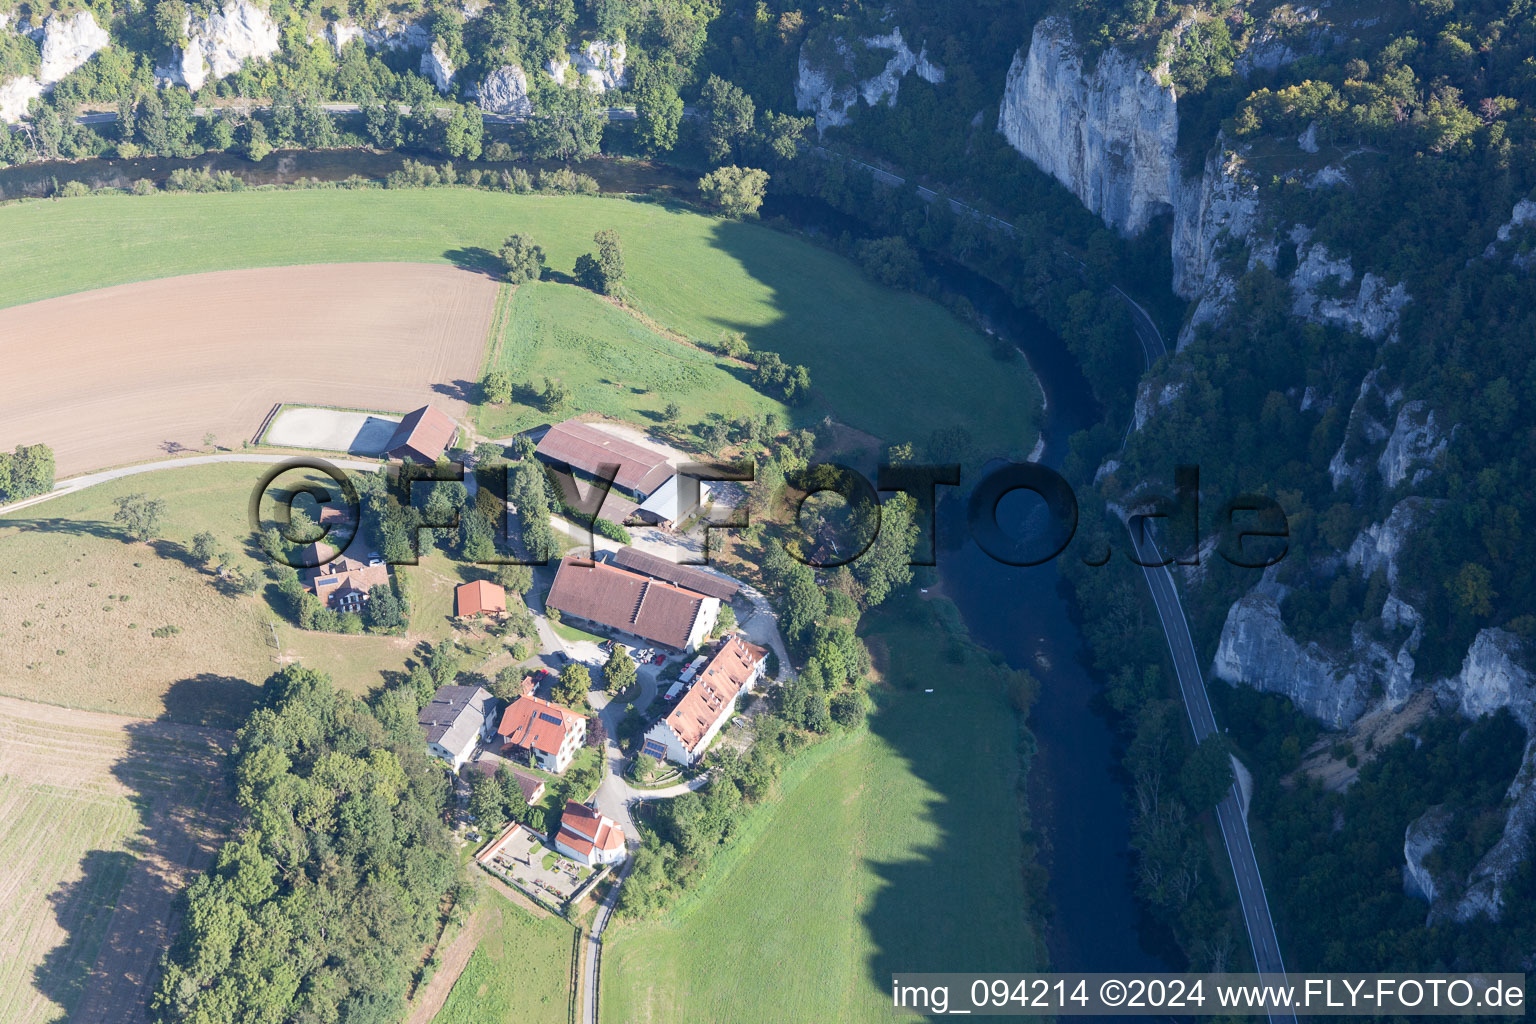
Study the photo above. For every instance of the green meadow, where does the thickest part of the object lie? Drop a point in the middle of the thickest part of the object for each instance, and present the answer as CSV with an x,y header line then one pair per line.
x,y
894,364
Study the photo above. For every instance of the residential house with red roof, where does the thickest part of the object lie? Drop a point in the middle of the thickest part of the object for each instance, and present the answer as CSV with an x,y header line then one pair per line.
x,y
617,599
480,597
550,733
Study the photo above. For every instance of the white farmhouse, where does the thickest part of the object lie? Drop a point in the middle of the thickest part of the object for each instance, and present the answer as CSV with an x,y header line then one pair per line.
x,y
684,735
457,719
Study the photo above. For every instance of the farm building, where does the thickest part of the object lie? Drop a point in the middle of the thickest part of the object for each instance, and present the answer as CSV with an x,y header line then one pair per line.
x,y
423,436
480,598
672,502
617,599
587,449
588,836
684,735
456,720
550,733
686,576
341,583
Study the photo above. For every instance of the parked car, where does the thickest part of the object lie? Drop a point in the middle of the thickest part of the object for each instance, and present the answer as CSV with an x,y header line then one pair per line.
x,y
661,659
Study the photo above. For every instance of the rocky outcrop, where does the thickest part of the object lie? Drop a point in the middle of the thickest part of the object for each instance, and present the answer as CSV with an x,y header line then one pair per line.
x,y
1416,441
1493,677
1256,651
437,68
1217,210
1484,895
1364,429
1319,292
388,33
69,43
505,91
1521,218
1422,838
599,65
1108,134
1288,34
15,95
220,44
1379,545
1150,398
65,43
827,86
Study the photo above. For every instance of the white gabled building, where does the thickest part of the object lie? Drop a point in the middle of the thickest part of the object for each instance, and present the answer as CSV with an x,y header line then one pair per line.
x,y
588,836
457,719
684,735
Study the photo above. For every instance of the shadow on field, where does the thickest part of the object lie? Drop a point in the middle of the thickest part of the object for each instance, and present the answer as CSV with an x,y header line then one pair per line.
x,y
220,702
475,258
123,912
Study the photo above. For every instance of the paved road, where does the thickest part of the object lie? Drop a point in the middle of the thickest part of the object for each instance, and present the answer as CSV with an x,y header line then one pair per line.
x,y
109,116
594,957
78,483
1197,704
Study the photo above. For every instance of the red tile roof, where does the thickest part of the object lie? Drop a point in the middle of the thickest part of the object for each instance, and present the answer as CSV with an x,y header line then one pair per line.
x,y
535,722
624,600
683,575
480,598
586,447
424,433
339,577
584,829
714,691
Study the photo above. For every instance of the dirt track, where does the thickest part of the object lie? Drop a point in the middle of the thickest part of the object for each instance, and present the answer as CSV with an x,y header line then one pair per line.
x,y
130,373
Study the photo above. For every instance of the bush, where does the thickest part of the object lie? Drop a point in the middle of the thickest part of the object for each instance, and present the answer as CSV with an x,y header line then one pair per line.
x,y
144,187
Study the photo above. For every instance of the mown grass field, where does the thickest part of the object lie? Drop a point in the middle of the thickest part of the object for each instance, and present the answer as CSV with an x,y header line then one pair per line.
x,y
893,849
520,972
97,815
890,363
614,364
80,604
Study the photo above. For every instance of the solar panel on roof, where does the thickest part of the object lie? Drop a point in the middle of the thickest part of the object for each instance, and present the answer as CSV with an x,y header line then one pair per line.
x,y
551,719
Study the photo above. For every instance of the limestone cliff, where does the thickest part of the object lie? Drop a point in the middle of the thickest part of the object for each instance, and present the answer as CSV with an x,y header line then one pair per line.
x,y
598,65
219,45
505,91
68,43
827,86
1108,133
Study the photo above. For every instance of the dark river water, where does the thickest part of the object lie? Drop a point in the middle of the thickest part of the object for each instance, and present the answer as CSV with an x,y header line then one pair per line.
x,y
1075,793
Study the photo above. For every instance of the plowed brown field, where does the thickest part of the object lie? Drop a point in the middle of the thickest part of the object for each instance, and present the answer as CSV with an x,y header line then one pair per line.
x,y
134,372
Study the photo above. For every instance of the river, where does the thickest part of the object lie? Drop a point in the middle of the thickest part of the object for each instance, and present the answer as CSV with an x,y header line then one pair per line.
x,y
1076,795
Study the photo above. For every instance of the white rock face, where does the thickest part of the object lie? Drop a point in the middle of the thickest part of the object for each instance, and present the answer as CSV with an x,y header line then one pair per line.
x,y
1374,309
1416,441
1492,677
1109,135
1364,424
817,91
1222,206
15,95
505,91
220,44
1379,545
388,33
1422,837
599,66
1521,217
1288,34
437,68
1484,896
1256,651
1148,403
69,43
